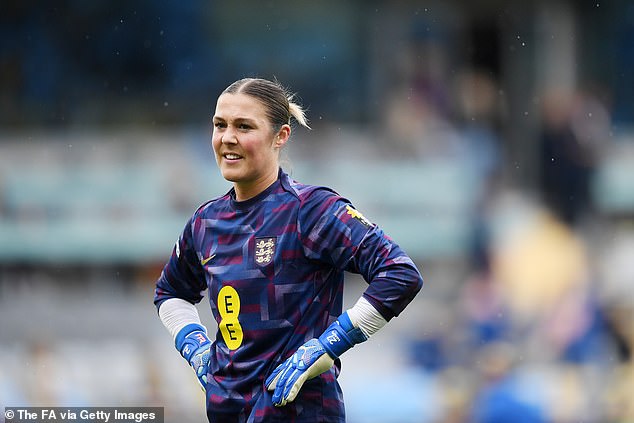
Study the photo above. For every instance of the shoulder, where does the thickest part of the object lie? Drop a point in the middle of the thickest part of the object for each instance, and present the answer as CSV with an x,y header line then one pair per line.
x,y
314,201
308,194
210,208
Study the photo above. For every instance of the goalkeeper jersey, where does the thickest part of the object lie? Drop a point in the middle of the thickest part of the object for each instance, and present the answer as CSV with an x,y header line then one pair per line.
x,y
273,270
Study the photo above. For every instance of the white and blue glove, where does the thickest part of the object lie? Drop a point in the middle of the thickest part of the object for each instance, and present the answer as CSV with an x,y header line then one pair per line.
x,y
194,345
312,359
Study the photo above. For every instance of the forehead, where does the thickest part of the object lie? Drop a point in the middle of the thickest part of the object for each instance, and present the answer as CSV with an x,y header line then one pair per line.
x,y
239,106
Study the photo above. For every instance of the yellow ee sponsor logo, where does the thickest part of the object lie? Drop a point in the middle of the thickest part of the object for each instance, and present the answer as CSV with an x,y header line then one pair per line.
x,y
229,308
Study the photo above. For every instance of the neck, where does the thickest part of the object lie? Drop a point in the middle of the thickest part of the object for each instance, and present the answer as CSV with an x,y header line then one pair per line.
x,y
247,190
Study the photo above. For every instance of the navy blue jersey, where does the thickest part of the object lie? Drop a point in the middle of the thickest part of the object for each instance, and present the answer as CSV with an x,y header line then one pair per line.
x,y
273,269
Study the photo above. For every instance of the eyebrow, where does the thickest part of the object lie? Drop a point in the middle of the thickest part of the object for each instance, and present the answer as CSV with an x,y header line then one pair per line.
x,y
236,120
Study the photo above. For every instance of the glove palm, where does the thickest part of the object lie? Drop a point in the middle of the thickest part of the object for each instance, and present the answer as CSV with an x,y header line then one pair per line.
x,y
312,359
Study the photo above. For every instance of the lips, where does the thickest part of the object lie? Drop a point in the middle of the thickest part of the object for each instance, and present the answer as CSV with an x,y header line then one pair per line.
x,y
231,156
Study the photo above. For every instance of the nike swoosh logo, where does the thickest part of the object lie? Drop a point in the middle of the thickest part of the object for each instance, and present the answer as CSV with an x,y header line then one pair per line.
x,y
206,260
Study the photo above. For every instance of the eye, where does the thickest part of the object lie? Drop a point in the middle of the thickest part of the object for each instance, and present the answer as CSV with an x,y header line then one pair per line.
x,y
244,127
219,125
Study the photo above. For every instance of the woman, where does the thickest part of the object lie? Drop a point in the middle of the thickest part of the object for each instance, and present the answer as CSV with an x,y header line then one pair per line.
x,y
271,253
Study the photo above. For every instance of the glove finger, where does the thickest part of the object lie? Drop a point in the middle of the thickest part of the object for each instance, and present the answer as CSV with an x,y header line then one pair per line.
x,y
299,376
200,363
291,391
288,375
291,387
271,381
278,394
202,381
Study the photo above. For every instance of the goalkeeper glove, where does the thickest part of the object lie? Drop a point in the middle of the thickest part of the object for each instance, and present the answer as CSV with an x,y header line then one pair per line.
x,y
194,346
312,359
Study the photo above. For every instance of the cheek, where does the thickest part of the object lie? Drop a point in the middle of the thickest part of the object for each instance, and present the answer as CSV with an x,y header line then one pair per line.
x,y
215,142
252,146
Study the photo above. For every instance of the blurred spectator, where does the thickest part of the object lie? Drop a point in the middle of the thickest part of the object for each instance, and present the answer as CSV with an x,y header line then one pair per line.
x,y
500,399
536,259
417,112
478,113
485,314
575,127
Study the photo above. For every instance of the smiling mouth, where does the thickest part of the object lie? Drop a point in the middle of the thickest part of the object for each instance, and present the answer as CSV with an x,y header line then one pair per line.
x,y
231,156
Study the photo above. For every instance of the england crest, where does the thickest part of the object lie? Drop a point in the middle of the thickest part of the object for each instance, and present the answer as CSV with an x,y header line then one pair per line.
x,y
264,250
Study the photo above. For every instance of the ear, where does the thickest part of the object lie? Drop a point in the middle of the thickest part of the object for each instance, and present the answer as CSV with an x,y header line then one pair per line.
x,y
282,136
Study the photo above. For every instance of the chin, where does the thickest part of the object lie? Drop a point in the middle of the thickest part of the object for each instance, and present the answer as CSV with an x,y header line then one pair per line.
x,y
231,175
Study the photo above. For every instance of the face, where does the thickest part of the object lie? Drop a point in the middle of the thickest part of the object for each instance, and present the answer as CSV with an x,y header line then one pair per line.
x,y
245,145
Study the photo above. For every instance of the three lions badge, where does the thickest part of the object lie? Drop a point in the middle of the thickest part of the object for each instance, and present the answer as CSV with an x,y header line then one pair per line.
x,y
264,250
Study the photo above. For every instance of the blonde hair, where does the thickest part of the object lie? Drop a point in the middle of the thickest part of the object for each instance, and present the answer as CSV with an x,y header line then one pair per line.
x,y
277,100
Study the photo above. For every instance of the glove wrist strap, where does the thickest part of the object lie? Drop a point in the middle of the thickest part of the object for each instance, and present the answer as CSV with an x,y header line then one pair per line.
x,y
340,336
190,338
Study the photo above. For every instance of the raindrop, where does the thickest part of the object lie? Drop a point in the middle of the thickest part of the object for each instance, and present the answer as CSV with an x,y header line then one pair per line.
x,y
165,104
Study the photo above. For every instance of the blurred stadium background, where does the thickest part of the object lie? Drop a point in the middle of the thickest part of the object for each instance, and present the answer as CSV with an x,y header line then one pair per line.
x,y
493,140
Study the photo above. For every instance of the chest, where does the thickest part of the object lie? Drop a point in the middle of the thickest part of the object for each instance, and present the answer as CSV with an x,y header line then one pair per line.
x,y
248,248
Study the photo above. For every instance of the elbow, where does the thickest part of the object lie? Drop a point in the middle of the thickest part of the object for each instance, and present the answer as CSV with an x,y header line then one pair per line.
x,y
419,284
414,277
416,285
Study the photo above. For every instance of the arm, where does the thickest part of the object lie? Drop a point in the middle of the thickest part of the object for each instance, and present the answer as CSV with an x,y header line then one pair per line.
x,y
393,282
342,237
178,288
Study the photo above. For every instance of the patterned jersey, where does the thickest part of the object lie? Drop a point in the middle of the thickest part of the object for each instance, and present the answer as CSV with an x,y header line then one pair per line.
x,y
273,269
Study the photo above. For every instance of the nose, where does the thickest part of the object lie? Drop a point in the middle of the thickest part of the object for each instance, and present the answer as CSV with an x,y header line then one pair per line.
x,y
228,137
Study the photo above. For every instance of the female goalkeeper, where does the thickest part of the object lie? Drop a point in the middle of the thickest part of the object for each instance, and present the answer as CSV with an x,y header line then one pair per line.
x,y
271,256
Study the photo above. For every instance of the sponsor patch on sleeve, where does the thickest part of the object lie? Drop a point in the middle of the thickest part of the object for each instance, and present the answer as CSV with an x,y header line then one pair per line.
x,y
355,214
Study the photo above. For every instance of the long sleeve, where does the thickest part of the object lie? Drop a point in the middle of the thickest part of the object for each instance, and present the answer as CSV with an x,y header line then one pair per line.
x,y
335,232
182,277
